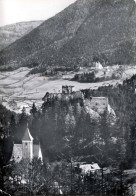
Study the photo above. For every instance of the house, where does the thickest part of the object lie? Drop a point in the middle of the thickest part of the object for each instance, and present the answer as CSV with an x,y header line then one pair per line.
x,y
98,65
27,149
84,168
88,168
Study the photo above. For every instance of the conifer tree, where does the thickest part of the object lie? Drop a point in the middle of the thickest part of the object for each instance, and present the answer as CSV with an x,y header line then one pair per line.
x,y
23,118
33,111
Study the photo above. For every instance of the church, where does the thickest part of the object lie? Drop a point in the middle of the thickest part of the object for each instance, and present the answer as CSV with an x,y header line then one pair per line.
x,y
27,149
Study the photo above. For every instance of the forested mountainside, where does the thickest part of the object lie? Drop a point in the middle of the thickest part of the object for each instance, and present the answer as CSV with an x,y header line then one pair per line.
x,y
13,32
87,29
66,127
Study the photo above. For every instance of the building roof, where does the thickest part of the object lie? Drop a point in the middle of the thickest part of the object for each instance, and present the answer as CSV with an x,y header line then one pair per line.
x,y
27,136
87,168
37,151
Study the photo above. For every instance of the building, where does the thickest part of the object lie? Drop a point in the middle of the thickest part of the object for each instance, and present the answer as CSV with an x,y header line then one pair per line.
x,y
89,168
85,169
98,65
66,95
67,89
27,149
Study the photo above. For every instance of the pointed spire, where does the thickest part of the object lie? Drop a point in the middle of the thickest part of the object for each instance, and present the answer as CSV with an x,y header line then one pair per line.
x,y
27,136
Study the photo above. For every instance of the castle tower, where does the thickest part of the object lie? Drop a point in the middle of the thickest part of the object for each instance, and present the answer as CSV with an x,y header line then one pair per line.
x,y
27,145
67,89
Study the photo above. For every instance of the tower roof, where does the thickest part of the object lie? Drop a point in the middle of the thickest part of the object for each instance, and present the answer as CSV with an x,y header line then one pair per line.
x,y
27,136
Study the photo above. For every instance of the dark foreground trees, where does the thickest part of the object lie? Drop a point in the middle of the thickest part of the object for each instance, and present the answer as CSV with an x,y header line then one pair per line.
x,y
26,177
36,178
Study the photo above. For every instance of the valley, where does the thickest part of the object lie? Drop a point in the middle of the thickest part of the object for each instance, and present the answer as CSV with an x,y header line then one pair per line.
x,y
18,89
68,102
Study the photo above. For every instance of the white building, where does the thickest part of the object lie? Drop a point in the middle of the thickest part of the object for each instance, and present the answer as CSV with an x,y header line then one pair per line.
x,y
98,66
87,168
27,149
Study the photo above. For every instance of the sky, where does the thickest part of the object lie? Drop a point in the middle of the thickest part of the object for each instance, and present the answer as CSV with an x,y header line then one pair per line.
x,y
12,11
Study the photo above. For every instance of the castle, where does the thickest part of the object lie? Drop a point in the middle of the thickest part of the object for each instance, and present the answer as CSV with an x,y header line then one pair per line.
x,y
98,104
66,95
26,150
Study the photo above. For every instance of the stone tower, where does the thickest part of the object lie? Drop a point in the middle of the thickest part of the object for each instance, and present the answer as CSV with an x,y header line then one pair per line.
x,y
67,89
27,145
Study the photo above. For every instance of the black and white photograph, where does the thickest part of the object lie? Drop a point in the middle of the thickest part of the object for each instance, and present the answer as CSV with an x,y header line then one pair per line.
x,y
67,97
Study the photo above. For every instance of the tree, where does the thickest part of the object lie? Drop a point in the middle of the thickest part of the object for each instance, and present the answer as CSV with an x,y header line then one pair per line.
x,y
23,118
33,111
36,179
21,126
5,143
12,125
29,177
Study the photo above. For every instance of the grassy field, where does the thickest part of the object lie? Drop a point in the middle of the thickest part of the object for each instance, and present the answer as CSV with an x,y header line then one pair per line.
x,y
18,90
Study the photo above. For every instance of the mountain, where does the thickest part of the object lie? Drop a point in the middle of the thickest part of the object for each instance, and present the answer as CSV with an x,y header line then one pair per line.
x,y
10,33
87,29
